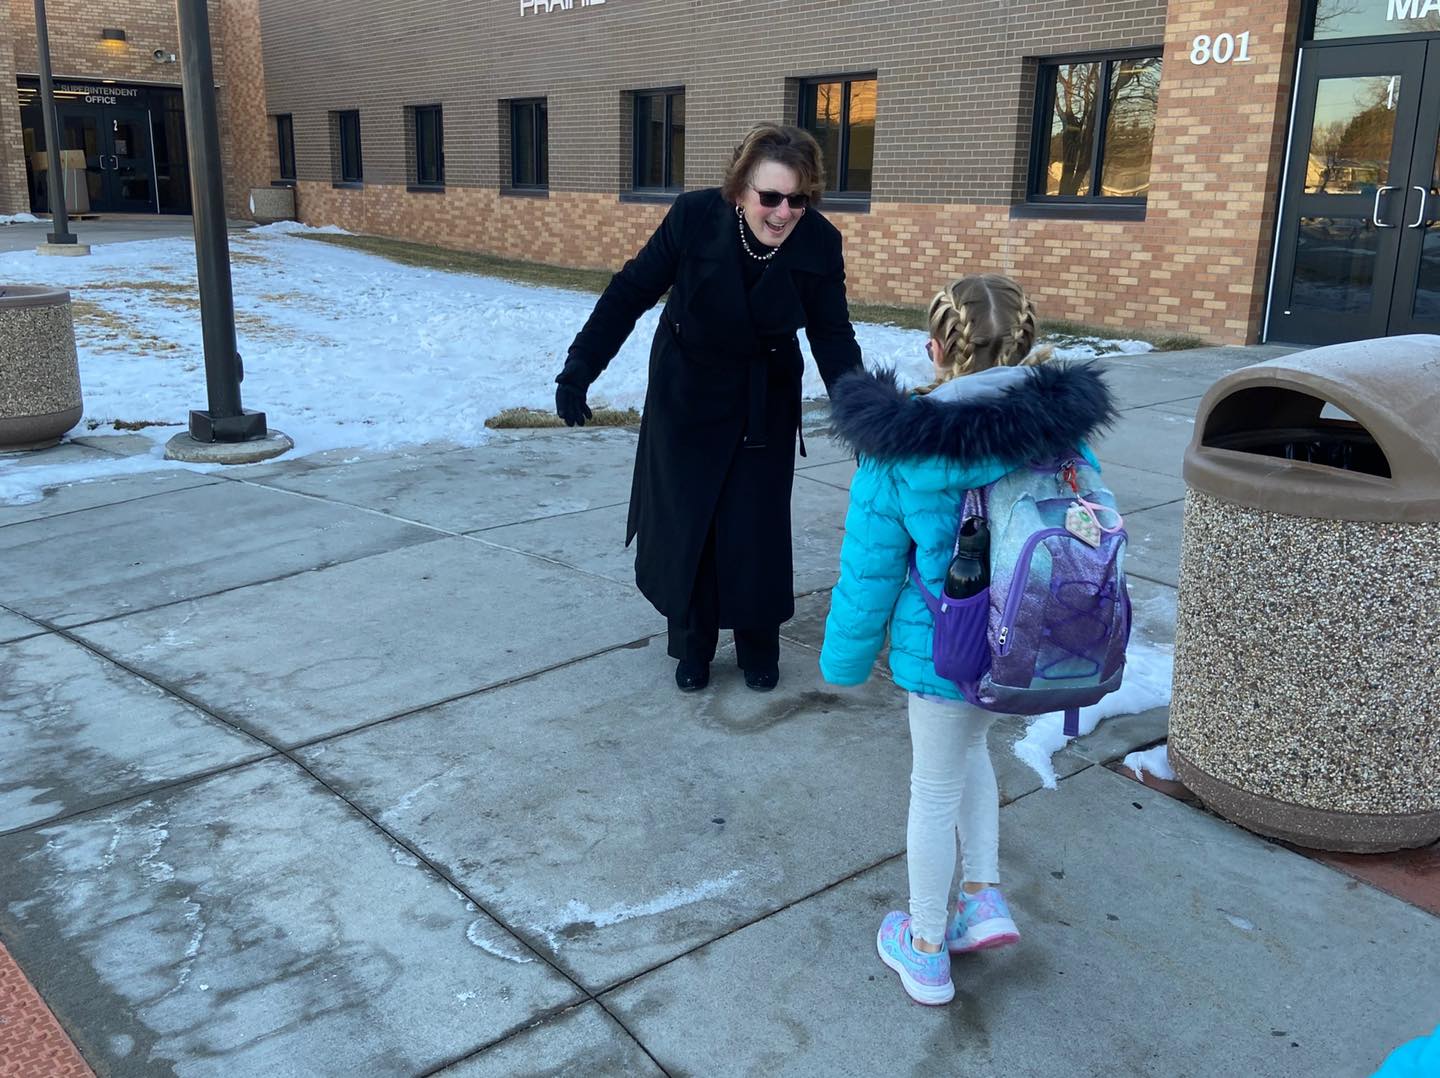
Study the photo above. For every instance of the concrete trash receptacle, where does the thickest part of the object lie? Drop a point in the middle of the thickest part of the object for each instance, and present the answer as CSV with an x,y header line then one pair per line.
x,y
1306,699
39,371
271,204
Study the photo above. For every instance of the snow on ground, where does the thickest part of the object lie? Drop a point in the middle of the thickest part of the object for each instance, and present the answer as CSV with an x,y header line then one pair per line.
x,y
1148,670
344,349
18,219
1154,761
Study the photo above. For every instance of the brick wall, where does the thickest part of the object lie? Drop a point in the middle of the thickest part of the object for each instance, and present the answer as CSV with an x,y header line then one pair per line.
x,y
13,195
955,103
77,51
246,134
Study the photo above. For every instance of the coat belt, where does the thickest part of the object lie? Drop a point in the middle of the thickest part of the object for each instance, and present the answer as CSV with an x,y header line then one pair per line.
x,y
759,379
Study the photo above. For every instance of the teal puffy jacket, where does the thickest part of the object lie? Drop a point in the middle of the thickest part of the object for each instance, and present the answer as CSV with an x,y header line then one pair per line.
x,y
918,457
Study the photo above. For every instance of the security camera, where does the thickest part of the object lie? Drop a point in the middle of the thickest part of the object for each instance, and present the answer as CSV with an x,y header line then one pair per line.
x,y
162,57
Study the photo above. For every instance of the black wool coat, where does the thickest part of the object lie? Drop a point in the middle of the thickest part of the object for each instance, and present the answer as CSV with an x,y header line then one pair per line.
x,y
722,409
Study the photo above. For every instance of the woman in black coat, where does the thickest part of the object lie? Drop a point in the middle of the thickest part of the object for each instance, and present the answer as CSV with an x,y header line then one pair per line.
x,y
746,266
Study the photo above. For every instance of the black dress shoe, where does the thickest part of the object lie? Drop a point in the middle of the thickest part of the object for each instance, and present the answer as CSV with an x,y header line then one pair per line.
x,y
762,680
691,676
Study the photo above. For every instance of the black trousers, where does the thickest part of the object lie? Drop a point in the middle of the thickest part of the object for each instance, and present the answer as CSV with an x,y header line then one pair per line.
x,y
696,635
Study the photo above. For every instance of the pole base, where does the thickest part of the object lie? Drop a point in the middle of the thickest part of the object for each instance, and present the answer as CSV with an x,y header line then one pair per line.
x,y
187,449
72,249
245,427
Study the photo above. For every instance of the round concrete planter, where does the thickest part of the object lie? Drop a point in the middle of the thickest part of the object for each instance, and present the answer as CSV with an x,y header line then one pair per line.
x,y
1305,696
39,373
271,204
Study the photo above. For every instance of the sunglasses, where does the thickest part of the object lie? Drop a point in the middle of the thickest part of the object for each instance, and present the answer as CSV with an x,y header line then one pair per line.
x,y
771,199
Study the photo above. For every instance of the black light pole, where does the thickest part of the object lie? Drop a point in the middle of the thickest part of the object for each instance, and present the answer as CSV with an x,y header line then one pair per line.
x,y
225,420
54,172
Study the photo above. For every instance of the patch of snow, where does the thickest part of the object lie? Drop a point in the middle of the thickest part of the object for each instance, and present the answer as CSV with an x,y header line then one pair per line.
x,y
1155,761
1239,922
581,914
403,858
27,484
294,228
505,946
344,349
1148,671
18,219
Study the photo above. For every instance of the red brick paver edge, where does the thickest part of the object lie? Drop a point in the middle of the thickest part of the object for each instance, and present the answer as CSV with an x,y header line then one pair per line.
x,y
1412,876
32,1044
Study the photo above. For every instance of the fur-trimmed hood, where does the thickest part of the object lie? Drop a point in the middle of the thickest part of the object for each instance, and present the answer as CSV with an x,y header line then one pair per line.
x,y
1006,413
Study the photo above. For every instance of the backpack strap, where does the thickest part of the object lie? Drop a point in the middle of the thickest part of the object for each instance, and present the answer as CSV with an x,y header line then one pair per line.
x,y
1072,722
925,593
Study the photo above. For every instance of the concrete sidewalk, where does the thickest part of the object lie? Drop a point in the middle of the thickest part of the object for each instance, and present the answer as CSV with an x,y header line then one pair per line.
x,y
377,768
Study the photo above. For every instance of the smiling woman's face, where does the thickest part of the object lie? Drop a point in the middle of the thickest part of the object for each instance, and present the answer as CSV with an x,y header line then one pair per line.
x,y
771,225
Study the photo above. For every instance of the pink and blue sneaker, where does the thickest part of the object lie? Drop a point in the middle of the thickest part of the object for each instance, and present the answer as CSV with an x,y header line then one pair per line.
x,y
925,977
982,922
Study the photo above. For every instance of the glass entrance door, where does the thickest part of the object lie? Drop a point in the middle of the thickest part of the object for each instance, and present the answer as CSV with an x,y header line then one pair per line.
x,y
119,168
1358,252
132,169
1416,308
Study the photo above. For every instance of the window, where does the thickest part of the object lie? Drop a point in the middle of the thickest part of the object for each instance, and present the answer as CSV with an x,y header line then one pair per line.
x,y
285,143
346,134
840,113
1095,128
429,135
529,144
659,141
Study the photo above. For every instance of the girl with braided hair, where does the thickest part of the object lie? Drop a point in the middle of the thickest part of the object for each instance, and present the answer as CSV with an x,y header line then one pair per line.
x,y
995,405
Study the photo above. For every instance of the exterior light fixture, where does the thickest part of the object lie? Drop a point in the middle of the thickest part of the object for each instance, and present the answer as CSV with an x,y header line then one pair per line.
x,y
111,33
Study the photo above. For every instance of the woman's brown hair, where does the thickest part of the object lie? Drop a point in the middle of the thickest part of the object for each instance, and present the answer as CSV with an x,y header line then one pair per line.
x,y
793,147
982,322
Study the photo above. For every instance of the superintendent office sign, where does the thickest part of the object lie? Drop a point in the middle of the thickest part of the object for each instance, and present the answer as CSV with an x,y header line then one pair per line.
x,y
544,7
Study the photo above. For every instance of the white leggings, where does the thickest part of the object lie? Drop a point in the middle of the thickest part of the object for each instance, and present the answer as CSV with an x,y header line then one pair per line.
x,y
952,788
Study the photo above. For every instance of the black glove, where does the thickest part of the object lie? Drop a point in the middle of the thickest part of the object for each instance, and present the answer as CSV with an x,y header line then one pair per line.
x,y
570,393
570,405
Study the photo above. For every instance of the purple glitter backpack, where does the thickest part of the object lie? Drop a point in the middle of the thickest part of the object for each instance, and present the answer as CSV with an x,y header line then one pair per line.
x,y
1049,634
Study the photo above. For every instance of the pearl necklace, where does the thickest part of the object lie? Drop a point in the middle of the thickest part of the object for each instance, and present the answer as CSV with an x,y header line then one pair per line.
x,y
740,220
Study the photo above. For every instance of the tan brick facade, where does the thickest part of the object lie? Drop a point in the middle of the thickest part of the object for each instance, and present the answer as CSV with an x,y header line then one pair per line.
x,y
956,88
78,51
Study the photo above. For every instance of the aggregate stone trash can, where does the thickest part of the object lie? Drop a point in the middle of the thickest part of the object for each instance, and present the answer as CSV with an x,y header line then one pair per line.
x,y
1306,699
39,372
271,204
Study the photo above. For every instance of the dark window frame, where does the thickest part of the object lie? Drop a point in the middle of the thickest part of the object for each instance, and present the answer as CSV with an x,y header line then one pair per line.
x,y
1046,76
841,196
285,145
344,172
419,115
638,142
530,110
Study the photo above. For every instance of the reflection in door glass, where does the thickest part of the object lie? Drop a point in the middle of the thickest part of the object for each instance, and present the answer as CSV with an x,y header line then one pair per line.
x,y
1334,264
1353,131
1427,284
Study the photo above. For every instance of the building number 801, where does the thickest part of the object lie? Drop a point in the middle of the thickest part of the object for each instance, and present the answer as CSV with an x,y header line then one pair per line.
x,y
1223,48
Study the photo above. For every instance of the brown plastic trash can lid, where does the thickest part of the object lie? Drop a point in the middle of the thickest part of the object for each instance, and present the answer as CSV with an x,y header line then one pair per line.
x,y
1390,390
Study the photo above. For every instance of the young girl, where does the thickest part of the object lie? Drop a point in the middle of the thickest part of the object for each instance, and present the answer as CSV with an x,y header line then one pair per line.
x,y
993,407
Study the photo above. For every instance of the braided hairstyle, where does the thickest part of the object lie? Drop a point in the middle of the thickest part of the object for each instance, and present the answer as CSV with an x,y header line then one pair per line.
x,y
982,322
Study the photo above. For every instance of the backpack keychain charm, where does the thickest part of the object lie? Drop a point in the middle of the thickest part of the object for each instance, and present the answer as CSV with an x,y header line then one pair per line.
x,y
1081,523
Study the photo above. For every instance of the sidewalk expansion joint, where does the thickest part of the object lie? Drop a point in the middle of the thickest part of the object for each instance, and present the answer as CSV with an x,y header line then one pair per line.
x,y
472,533
203,480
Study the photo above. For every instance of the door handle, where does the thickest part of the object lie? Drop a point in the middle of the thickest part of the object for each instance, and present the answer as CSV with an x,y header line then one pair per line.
x,y
114,163
1424,197
1375,213
102,162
